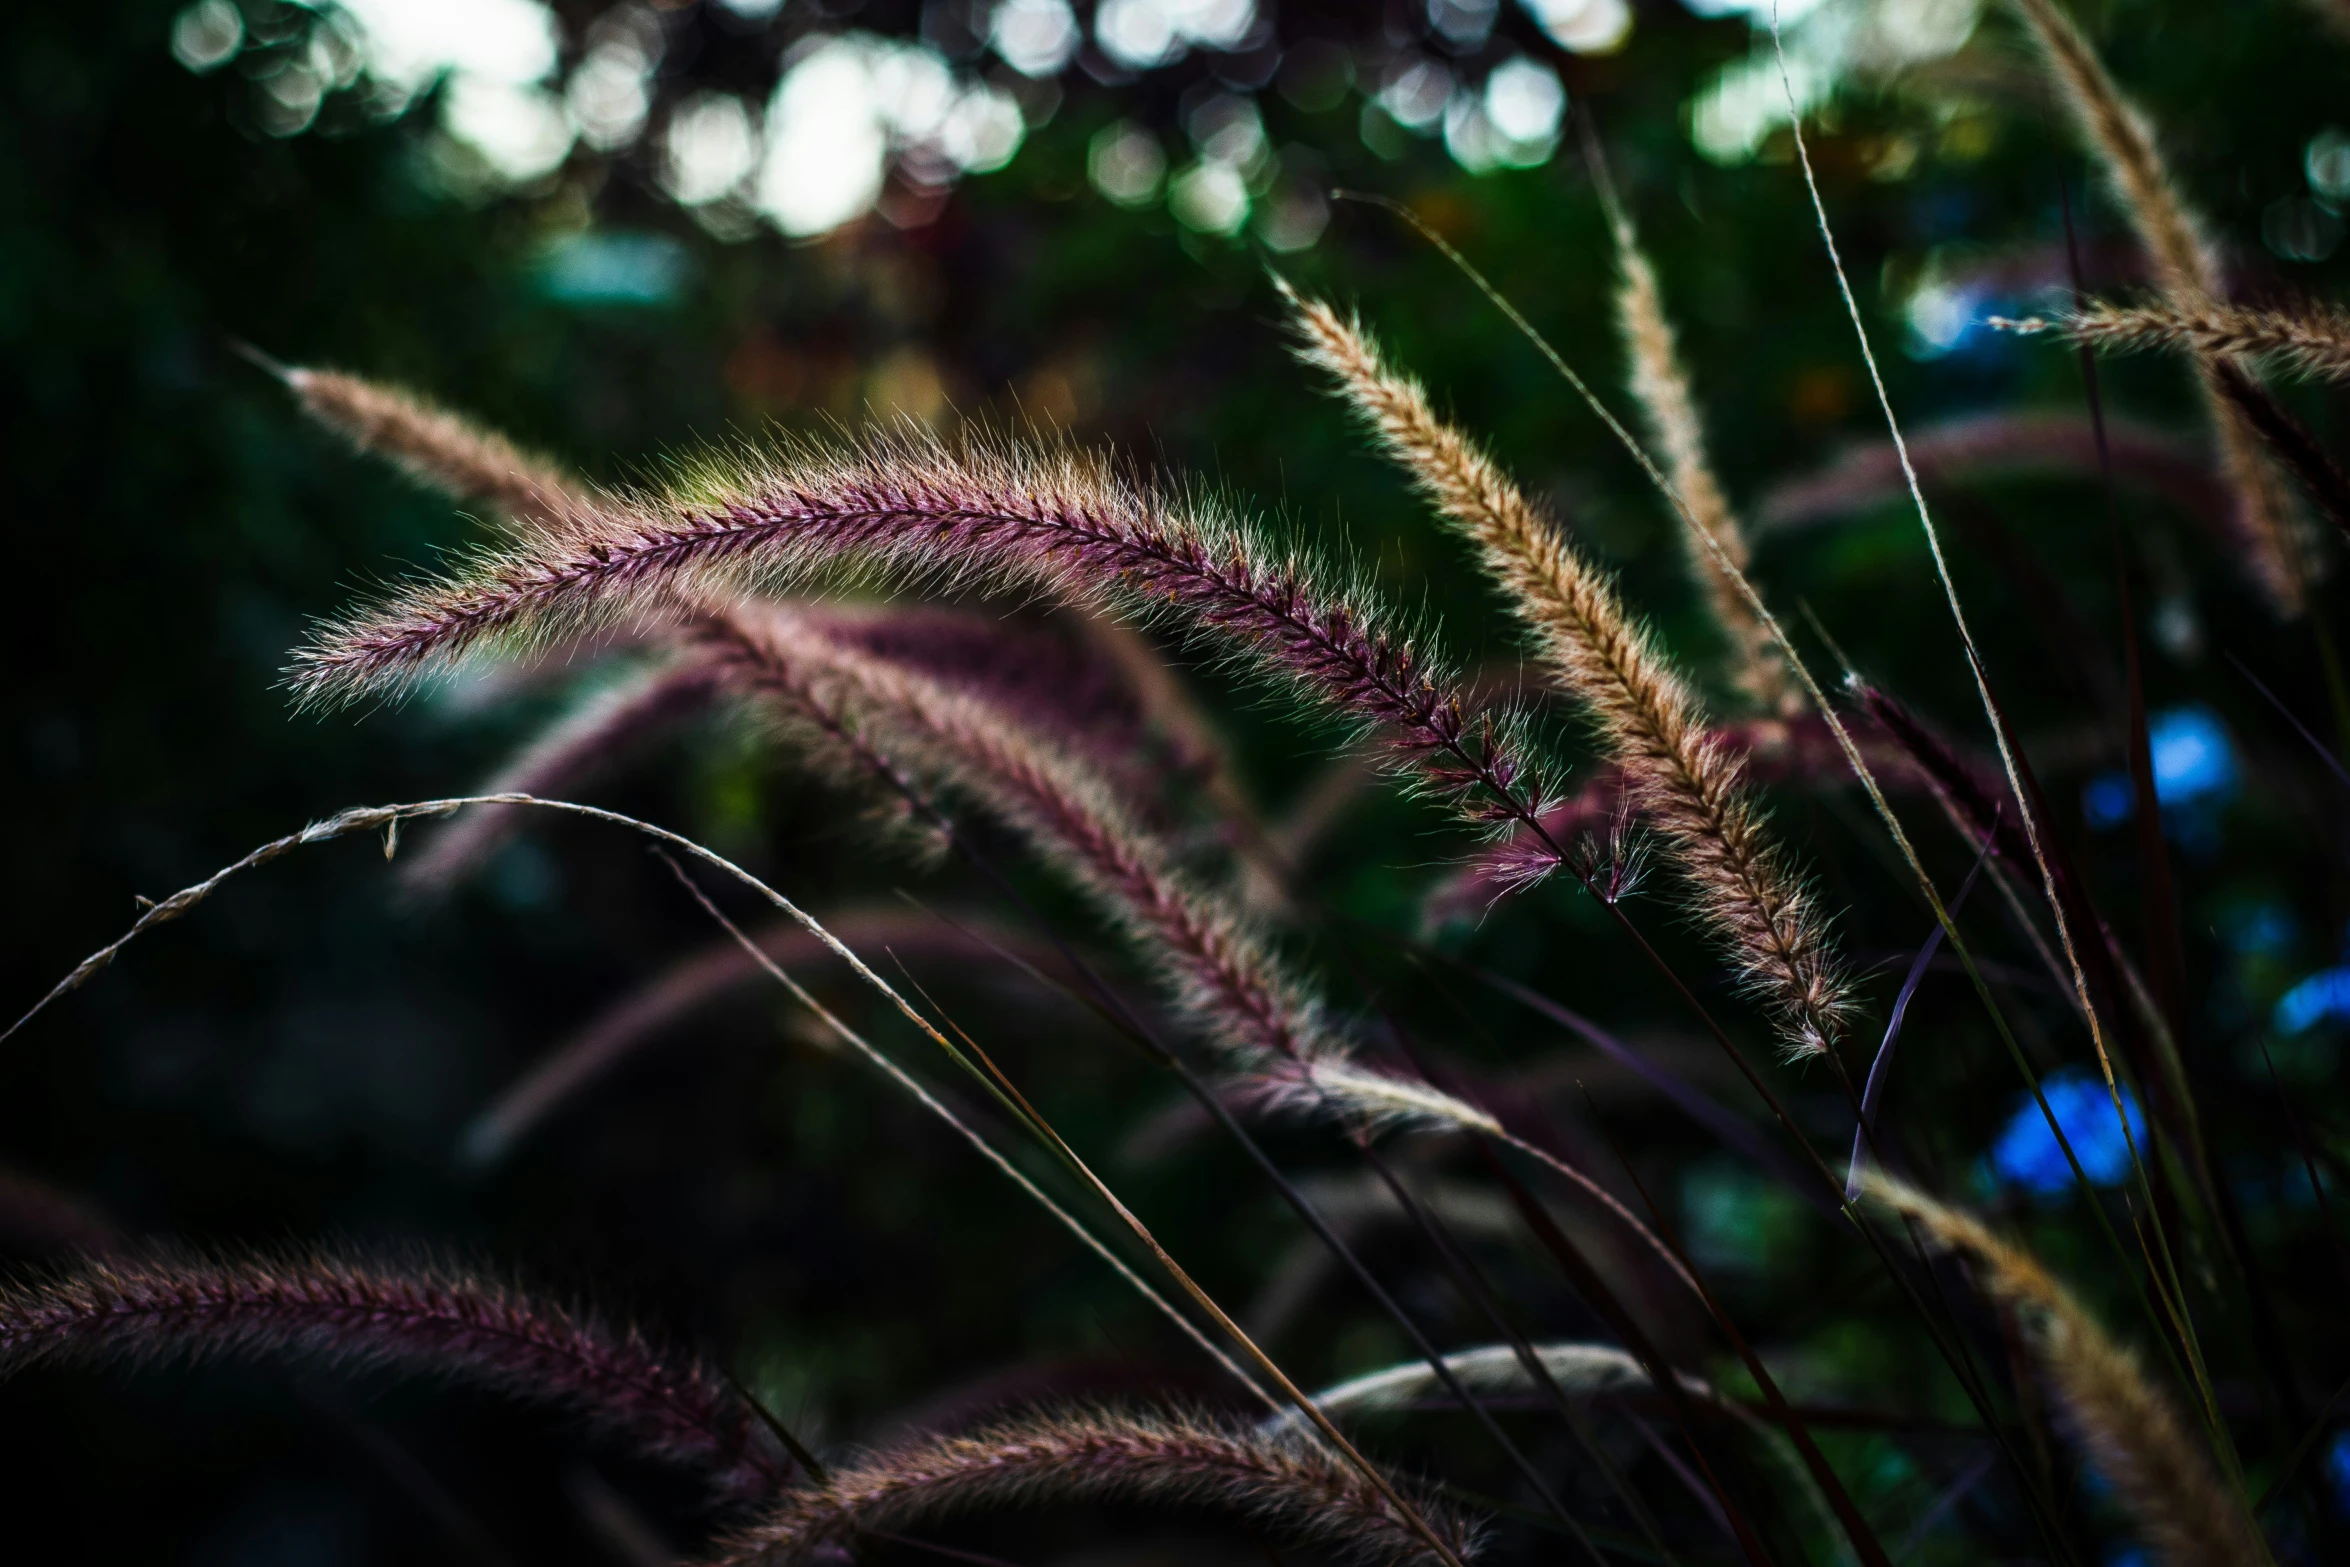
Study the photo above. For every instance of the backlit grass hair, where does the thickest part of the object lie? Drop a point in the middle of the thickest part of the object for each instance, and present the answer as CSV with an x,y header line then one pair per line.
x,y
439,449
981,513
1661,386
1688,784
429,1321
2310,339
2186,268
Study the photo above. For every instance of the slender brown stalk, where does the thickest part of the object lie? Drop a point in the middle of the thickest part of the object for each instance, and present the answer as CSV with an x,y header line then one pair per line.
x,y
439,449
1294,1487
1661,386
2186,267
2309,339
2125,1424
430,1321
1689,786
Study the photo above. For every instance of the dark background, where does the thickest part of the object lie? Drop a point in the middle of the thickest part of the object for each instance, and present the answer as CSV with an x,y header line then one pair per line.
x,y
296,1063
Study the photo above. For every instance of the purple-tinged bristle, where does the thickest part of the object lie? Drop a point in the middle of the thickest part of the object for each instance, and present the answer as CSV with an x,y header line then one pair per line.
x,y
995,514
431,1321
1300,1489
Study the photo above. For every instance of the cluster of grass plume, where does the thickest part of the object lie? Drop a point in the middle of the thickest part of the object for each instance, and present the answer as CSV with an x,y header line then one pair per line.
x,y
952,630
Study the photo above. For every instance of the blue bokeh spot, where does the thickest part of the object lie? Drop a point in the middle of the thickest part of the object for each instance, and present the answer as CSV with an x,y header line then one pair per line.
x,y
2106,800
2194,766
2324,996
2193,757
2338,1467
2026,1153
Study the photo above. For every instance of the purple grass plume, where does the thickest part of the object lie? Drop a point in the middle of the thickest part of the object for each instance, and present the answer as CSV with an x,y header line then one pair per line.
x,y
982,513
429,1321
438,449
1595,817
1295,1488
1215,964
1210,954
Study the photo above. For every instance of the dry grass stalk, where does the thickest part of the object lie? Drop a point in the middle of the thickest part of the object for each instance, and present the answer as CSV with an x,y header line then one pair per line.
x,y
2124,1423
441,450
2311,339
1585,1369
2186,267
1687,783
1294,1487
1662,387
428,1321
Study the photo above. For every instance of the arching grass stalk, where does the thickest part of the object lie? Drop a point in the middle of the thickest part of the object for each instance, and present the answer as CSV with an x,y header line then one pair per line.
x,y
387,818
374,818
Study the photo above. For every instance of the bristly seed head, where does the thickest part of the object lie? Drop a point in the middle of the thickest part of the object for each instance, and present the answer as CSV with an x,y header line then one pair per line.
x,y
431,1321
998,514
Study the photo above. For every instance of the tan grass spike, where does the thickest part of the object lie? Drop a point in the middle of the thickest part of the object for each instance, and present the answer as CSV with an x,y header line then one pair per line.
x,y
1690,787
2125,1424
1661,385
2186,268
